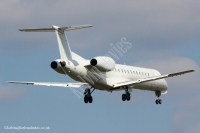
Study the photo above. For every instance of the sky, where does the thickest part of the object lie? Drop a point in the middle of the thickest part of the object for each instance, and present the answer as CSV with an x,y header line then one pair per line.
x,y
164,36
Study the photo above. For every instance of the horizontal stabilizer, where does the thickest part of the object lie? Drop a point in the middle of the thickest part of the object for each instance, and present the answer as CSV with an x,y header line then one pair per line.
x,y
56,28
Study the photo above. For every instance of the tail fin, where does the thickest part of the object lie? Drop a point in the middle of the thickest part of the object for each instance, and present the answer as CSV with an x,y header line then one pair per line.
x,y
64,48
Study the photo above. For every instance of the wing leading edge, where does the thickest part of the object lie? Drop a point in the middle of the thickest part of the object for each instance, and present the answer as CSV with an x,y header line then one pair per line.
x,y
139,81
58,84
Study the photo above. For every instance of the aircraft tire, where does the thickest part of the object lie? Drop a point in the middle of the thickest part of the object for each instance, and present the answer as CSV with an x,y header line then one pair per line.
x,y
90,99
156,101
128,97
86,99
123,97
160,101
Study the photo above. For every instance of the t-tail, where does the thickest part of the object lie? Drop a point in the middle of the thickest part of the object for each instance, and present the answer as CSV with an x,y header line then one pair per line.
x,y
63,44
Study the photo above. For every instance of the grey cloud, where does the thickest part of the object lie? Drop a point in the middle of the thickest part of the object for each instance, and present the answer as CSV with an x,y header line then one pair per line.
x,y
10,93
157,24
186,116
151,26
187,83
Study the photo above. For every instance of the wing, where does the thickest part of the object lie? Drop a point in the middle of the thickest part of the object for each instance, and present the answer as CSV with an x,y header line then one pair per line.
x,y
72,85
139,81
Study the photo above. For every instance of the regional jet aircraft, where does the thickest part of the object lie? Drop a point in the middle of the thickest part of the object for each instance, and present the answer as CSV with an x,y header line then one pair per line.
x,y
101,72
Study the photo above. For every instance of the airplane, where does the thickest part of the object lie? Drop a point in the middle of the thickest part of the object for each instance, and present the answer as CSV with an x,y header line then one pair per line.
x,y
101,72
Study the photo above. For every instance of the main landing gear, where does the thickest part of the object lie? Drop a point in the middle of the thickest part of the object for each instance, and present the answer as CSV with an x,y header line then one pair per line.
x,y
127,95
88,97
158,100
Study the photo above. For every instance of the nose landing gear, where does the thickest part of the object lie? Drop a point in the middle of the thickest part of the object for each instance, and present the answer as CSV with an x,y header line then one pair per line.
x,y
158,100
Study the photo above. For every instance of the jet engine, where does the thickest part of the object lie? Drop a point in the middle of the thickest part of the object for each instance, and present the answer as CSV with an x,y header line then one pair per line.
x,y
57,66
103,63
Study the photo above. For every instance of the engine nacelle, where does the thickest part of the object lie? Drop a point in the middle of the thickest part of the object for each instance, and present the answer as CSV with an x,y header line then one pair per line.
x,y
57,64
103,63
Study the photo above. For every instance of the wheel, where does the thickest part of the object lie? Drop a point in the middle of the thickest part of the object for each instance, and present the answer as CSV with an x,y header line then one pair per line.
x,y
90,99
128,97
157,101
86,99
123,97
160,101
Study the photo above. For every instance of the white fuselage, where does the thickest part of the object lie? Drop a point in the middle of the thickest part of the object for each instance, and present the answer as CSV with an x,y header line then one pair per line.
x,y
121,73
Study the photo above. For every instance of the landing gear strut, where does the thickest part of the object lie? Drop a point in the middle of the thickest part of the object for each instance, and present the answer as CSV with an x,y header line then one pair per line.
x,y
158,100
88,97
127,95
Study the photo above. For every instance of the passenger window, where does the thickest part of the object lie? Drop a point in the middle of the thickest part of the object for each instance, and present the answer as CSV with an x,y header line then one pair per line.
x,y
127,71
131,72
122,70
118,70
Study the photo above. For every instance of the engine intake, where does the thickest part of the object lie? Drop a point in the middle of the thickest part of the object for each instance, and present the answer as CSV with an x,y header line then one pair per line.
x,y
57,66
54,65
93,62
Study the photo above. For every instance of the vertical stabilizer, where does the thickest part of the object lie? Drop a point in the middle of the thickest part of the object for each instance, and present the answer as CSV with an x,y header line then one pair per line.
x,y
64,48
